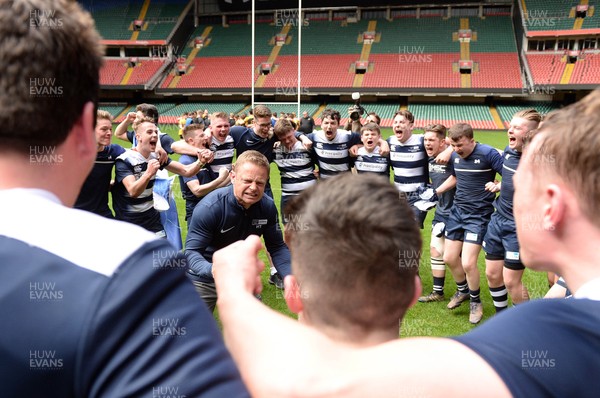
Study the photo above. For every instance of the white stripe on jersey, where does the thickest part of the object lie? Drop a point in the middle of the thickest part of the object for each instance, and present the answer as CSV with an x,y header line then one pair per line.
x,y
404,172
508,168
292,162
296,187
36,217
471,171
335,167
408,187
225,153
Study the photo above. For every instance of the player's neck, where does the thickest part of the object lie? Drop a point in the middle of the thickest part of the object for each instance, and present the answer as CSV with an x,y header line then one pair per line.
x,y
39,171
354,337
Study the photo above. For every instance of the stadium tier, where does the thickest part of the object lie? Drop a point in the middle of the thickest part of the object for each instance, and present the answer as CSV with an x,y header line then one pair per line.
x,y
496,70
416,36
478,116
118,72
546,68
493,35
414,70
173,114
114,109
507,111
543,15
587,69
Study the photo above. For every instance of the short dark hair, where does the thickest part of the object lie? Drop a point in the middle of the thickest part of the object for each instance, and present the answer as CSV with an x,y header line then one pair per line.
x,y
332,114
187,130
282,127
148,110
47,75
371,127
438,129
376,116
407,115
373,285
460,130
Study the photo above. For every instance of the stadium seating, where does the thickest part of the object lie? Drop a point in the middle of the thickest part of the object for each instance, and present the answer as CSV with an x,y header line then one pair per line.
x,y
411,35
477,115
587,70
497,70
144,70
173,114
412,70
112,71
161,18
114,109
549,14
494,35
507,111
546,68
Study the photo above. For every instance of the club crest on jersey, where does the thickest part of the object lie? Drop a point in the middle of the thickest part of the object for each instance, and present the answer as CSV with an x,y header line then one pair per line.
x,y
477,161
137,168
456,160
319,145
392,147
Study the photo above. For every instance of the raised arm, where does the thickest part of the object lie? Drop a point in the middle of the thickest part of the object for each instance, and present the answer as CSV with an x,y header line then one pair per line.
x,y
121,129
136,187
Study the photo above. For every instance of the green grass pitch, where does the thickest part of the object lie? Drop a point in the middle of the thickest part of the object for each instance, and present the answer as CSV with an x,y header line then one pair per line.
x,y
430,319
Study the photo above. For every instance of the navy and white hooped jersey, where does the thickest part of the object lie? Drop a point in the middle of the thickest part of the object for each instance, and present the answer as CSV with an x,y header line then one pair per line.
x,y
472,173
296,168
439,173
94,192
504,201
85,320
219,220
224,152
138,210
372,162
333,156
409,162
204,176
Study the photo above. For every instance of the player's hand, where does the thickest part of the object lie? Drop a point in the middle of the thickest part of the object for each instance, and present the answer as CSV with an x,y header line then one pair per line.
x,y
276,145
492,186
130,118
223,172
162,155
444,156
384,148
236,268
306,142
153,166
353,151
207,156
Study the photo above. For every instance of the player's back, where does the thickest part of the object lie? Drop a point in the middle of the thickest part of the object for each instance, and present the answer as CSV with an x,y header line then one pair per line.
x,y
81,313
